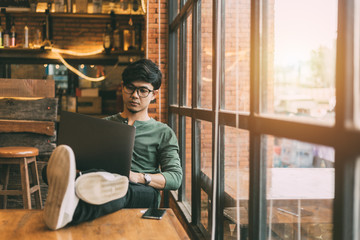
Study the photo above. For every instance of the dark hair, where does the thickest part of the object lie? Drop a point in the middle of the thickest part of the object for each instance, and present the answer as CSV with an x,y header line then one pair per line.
x,y
143,70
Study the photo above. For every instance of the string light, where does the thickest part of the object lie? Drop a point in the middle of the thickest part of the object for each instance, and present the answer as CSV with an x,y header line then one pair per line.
x,y
57,52
70,52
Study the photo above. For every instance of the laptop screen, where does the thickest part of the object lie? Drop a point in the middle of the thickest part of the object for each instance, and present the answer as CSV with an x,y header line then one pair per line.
x,y
97,143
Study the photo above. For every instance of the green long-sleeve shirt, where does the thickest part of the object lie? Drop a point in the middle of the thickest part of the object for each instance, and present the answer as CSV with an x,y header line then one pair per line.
x,y
156,150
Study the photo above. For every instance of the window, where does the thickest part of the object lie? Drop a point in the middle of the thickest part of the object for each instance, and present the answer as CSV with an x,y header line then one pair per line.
x,y
236,55
205,150
206,56
272,90
188,55
188,161
300,188
236,183
298,59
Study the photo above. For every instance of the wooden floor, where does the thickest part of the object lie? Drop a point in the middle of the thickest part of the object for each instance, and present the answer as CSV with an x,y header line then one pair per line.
x,y
123,224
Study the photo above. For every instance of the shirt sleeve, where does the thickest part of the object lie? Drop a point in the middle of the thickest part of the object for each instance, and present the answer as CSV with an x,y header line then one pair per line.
x,y
170,161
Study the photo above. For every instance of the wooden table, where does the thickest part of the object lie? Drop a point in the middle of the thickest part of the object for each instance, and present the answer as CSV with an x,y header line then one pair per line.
x,y
123,224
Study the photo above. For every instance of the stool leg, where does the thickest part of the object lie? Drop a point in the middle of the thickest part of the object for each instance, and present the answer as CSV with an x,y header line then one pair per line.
x,y
36,183
25,183
5,172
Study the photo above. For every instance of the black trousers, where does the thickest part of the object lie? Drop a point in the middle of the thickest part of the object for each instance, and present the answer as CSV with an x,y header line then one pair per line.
x,y
137,196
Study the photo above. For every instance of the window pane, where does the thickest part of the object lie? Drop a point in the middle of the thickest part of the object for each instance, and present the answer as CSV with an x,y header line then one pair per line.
x,y
188,79
236,153
205,210
205,83
300,189
188,162
178,67
298,59
236,87
174,123
205,149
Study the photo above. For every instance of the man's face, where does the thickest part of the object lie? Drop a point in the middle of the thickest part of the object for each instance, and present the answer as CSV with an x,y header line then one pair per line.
x,y
137,96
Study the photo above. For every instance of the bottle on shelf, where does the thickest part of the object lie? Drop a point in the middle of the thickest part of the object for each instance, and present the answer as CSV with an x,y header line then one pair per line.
x,y
116,37
13,34
108,41
26,37
97,6
69,6
135,5
124,4
6,38
112,6
59,5
81,6
1,35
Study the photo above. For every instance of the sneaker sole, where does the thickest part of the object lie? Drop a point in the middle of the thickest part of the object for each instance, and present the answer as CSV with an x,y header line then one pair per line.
x,y
97,189
61,188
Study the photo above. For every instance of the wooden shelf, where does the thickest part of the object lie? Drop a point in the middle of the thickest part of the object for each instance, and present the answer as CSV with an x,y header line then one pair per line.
x,y
43,56
74,15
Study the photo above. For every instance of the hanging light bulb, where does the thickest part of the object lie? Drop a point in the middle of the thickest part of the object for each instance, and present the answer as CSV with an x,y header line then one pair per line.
x,y
124,4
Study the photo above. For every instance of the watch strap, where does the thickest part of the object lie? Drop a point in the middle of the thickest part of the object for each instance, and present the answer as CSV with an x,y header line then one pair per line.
x,y
147,179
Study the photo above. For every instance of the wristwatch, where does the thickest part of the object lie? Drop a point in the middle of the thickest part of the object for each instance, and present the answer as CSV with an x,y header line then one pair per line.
x,y
147,179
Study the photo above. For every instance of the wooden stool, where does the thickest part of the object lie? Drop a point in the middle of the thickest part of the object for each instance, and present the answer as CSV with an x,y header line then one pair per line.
x,y
24,157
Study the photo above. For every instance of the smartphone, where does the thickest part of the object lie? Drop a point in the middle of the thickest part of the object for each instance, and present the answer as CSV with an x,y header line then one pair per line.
x,y
154,213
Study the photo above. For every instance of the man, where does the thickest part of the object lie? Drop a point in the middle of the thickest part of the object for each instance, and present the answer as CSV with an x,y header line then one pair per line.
x,y
155,162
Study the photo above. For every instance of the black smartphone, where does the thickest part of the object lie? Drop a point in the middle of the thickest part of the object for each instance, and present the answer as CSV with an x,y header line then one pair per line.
x,y
154,213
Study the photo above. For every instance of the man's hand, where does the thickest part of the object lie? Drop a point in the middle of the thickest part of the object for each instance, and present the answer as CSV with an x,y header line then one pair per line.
x,y
157,180
136,177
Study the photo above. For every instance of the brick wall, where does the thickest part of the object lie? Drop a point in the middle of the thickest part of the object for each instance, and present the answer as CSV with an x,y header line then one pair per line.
x,y
157,51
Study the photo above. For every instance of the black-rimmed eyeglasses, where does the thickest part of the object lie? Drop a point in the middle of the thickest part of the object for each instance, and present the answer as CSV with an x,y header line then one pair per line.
x,y
143,92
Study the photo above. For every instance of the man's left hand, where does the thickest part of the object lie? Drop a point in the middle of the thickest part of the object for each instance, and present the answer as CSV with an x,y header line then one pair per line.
x,y
157,180
136,177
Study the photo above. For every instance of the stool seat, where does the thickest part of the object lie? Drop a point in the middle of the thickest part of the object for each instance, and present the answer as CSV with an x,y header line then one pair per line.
x,y
25,158
16,152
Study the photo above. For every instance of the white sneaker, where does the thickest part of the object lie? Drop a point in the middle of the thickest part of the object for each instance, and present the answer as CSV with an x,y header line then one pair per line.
x,y
101,187
61,200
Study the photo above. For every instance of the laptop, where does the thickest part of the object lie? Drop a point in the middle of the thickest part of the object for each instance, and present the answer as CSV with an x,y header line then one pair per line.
x,y
97,143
